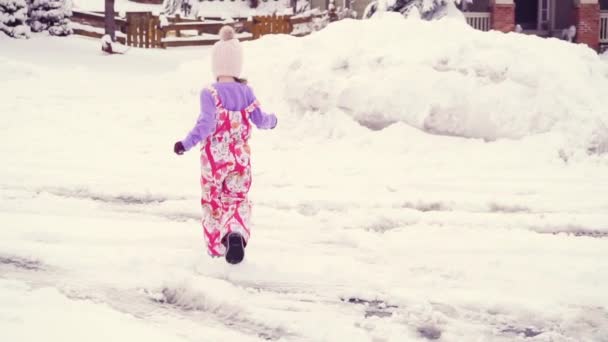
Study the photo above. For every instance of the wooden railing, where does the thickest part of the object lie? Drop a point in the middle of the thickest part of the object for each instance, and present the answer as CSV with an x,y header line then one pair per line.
x,y
271,24
479,20
96,19
171,33
91,24
604,27
145,30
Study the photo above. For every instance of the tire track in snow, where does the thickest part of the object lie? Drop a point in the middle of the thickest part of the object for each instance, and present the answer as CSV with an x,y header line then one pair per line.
x,y
138,302
437,213
22,263
231,316
428,320
142,303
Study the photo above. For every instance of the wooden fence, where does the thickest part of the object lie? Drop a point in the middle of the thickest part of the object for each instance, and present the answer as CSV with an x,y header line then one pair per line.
x,y
171,34
271,24
145,30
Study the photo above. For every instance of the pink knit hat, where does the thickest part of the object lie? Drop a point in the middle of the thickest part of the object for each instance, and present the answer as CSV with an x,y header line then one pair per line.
x,y
227,54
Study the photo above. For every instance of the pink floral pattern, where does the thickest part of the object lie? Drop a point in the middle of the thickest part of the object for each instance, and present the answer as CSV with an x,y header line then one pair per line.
x,y
226,177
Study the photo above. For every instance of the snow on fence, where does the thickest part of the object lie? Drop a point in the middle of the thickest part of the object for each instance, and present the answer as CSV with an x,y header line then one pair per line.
x,y
95,32
95,19
91,24
138,29
303,25
146,30
479,20
206,32
604,27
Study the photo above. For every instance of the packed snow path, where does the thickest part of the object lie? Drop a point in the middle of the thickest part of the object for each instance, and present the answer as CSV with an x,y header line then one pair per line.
x,y
360,235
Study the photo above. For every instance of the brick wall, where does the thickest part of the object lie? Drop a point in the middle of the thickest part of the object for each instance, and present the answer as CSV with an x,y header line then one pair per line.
x,y
503,17
587,19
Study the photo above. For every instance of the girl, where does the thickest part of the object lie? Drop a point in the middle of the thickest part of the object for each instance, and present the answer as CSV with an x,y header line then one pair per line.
x,y
223,127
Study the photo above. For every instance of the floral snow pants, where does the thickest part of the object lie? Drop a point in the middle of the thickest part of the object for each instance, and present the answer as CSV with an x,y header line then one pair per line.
x,y
226,177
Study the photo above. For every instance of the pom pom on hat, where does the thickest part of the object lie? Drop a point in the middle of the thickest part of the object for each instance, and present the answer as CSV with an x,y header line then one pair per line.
x,y
227,33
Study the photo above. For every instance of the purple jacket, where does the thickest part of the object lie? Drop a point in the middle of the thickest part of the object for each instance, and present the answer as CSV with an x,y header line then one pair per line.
x,y
235,97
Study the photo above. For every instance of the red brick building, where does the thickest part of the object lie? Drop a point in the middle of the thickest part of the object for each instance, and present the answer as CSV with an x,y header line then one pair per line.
x,y
548,18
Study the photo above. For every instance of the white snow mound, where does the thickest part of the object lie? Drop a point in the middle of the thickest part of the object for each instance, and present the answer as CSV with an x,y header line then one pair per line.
x,y
442,77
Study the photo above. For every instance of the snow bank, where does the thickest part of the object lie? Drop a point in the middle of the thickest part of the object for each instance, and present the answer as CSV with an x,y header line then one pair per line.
x,y
442,77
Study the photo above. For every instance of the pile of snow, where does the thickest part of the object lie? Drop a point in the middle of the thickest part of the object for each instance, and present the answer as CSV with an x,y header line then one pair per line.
x,y
442,77
109,46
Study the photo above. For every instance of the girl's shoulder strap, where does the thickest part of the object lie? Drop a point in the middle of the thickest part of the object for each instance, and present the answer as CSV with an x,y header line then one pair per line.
x,y
216,97
253,106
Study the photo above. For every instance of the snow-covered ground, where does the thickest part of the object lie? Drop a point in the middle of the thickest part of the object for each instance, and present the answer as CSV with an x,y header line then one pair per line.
x,y
441,184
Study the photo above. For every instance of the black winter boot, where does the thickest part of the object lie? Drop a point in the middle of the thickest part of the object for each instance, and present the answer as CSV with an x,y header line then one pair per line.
x,y
235,248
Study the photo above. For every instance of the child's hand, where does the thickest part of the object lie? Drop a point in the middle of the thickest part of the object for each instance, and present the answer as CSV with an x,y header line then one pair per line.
x,y
276,121
179,148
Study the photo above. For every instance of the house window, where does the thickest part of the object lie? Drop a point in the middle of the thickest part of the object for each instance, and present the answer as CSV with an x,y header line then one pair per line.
x,y
604,5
